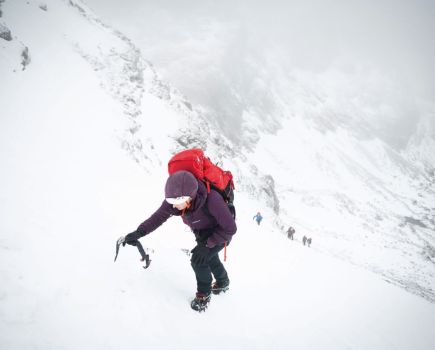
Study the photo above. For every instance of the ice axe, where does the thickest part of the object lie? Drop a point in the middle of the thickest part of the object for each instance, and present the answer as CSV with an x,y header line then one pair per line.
x,y
144,257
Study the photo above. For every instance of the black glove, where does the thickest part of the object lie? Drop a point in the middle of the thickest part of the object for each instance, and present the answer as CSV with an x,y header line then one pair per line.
x,y
200,254
131,238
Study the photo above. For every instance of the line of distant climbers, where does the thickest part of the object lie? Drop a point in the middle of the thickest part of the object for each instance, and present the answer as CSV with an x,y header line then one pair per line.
x,y
305,240
290,232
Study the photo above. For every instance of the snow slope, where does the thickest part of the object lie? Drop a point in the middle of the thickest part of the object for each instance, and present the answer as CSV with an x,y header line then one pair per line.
x,y
62,289
75,177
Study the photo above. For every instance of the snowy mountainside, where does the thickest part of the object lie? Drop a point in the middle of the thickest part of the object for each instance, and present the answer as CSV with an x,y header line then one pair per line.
x,y
363,198
349,153
343,164
316,172
134,84
68,190
144,96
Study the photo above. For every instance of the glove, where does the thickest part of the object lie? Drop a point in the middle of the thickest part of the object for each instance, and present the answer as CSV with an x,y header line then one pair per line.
x,y
131,238
200,254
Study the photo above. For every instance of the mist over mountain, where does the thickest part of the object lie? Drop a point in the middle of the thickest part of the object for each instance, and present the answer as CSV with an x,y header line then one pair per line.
x,y
233,58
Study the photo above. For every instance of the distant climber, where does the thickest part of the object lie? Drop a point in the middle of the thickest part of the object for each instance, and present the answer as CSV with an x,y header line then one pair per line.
x,y
258,218
290,232
304,240
309,241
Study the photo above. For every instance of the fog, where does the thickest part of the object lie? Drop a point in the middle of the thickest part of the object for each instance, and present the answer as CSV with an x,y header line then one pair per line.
x,y
230,56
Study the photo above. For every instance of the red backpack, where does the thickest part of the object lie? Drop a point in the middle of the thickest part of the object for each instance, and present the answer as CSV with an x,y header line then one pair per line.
x,y
194,161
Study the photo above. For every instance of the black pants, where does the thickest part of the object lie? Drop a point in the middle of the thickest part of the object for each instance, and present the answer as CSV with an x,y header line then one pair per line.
x,y
213,266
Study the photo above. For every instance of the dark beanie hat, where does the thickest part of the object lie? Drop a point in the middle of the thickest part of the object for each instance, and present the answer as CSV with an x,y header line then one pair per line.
x,y
181,183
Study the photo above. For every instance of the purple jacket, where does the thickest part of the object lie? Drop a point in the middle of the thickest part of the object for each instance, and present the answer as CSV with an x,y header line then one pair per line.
x,y
213,222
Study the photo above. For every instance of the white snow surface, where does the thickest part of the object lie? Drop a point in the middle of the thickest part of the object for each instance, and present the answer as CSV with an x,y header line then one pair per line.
x,y
75,177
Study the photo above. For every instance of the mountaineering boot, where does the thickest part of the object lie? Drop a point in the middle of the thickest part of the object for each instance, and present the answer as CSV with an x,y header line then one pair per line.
x,y
220,287
200,303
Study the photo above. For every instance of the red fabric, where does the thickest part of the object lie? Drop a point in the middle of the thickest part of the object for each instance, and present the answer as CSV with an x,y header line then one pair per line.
x,y
191,160
194,161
